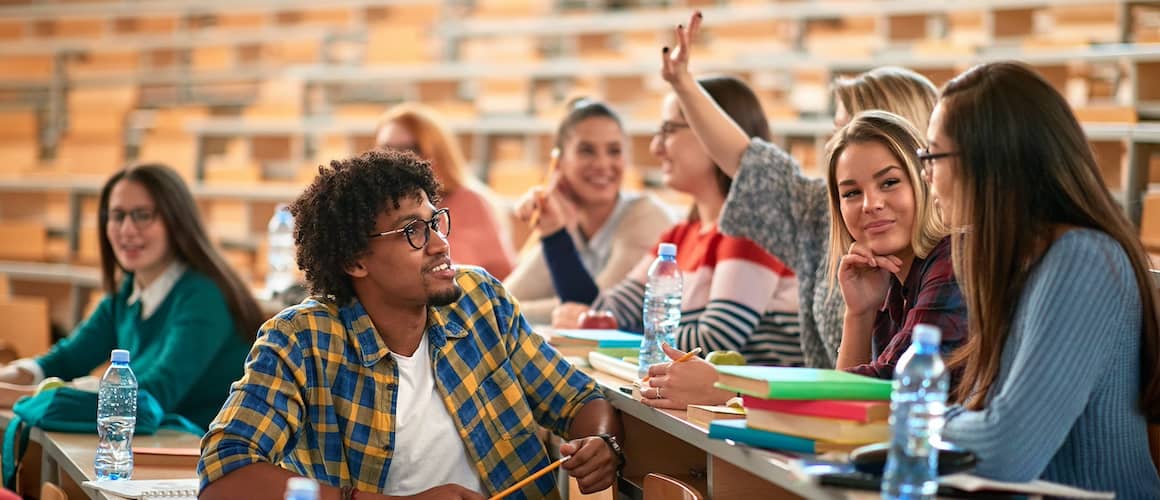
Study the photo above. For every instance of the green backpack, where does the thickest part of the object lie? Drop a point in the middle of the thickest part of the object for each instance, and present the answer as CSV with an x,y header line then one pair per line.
x,y
66,409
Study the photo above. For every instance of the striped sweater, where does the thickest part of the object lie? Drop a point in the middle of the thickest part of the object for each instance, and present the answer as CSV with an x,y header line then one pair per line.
x,y
736,297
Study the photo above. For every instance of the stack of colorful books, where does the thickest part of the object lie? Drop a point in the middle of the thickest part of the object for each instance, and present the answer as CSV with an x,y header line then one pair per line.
x,y
805,410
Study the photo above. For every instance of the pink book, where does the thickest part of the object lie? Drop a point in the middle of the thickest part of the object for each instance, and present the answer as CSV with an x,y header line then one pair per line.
x,y
858,411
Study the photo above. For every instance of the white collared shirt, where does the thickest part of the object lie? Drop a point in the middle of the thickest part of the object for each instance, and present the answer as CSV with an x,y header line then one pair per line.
x,y
154,294
150,297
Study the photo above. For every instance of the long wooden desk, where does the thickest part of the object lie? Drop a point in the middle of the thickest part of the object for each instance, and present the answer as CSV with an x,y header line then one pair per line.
x,y
660,441
67,459
664,441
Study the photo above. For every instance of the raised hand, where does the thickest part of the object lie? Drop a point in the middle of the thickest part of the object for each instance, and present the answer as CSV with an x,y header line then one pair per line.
x,y
675,62
864,278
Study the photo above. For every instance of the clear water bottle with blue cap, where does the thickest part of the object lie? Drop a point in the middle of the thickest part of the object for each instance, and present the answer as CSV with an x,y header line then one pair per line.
x,y
301,488
662,307
116,419
280,255
921,382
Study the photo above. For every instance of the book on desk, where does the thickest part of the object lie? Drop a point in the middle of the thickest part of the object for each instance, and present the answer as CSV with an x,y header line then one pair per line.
x,y
581,342
138,489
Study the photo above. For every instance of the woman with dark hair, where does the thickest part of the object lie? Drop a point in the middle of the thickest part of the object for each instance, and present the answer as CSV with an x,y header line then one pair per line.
x,y
737,296
587,226
1060,375
170,300
482,236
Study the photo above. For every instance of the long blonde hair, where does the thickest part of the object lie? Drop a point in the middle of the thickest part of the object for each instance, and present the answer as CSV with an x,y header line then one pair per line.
x,y
902,140
889,88
1024,169
434,143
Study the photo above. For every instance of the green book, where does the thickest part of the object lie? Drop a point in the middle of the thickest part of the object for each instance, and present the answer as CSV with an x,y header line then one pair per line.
x,y
775,382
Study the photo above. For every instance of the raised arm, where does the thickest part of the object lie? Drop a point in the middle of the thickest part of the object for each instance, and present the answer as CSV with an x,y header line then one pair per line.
x,y
721,136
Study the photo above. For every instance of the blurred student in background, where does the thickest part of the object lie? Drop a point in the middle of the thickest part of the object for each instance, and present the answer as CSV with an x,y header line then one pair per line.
x,y
736,295
170,299
482,236
583,210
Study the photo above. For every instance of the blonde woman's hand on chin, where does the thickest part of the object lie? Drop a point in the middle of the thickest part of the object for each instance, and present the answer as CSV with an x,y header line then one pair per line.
x,y
567,315
864,278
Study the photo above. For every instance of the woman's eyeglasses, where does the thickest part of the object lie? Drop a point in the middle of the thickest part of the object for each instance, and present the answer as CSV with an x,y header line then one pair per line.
x,y
927,158
141,217
440,222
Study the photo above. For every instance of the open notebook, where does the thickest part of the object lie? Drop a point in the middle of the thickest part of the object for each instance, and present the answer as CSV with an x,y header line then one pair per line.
x,y
148,488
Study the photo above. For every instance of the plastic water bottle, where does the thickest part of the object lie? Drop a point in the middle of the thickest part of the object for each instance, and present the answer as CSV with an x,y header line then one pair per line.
x,y
280,256
301,488
662,307
116,418
921,382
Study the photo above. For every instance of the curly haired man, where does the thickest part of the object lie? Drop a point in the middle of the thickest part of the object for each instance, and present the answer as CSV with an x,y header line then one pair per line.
x,y
403,375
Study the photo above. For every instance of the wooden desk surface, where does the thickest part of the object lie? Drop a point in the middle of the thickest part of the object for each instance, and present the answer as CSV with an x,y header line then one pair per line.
x,y
73,455
724,457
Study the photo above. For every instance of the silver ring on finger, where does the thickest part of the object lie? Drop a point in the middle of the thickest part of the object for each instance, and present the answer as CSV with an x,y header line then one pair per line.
x,y
658,393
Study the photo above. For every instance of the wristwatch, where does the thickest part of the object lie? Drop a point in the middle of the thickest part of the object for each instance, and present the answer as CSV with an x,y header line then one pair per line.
x,y
612,443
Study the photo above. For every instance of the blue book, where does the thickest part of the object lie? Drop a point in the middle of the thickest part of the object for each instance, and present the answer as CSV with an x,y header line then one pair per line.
x,y
602,339
739,432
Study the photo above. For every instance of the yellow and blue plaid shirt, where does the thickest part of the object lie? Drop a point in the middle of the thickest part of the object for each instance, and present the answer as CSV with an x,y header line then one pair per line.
x,y
319,393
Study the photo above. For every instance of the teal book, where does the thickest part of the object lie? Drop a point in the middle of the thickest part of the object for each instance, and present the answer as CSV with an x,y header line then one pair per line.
x,y
776,382
598,339
737,430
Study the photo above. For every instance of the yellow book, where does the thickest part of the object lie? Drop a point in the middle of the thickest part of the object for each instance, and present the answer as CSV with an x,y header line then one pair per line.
x,y
825,429
702,415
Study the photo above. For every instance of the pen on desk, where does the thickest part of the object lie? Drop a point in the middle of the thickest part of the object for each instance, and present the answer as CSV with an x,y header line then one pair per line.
x,y
535,220
516,487
688,355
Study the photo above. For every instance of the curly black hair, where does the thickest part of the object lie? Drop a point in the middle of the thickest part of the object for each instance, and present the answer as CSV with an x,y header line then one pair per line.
x,y
335,214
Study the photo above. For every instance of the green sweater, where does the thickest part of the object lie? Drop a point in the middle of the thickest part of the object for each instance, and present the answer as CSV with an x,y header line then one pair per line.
x,y
186,354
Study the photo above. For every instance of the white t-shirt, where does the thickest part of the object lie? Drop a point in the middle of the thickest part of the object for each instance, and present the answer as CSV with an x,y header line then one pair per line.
x,y
428,450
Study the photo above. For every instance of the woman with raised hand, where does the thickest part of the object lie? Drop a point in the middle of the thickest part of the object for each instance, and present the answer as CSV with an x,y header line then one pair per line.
x,y
888,250
772,201
586,224
1060,373
737,296
170,299
482,236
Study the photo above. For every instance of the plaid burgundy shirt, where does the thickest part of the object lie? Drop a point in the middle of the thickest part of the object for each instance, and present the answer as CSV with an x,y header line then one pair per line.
x,y
931,296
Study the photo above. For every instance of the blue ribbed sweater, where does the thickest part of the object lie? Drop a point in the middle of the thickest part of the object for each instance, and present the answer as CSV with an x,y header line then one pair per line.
x,y
1065,405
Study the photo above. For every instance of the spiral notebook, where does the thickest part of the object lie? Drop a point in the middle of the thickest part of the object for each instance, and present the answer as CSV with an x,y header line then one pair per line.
x,y
148,488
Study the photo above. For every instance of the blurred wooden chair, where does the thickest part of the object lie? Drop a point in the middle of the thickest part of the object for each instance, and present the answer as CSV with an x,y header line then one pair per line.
x,y
662,487
28,330
49,491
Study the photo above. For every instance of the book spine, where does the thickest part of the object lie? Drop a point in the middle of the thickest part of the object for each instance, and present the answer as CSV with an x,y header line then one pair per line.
x,y
761,439
825,409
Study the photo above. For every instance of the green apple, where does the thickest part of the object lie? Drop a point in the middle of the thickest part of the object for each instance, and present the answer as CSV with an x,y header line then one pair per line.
x,y
722,358
49,383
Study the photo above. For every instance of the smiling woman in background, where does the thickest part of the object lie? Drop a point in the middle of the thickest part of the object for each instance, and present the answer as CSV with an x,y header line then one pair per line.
x,y
588,225
481,237
178,308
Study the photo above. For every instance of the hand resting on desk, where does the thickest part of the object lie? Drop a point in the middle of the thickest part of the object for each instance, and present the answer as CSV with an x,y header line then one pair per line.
x,y
677,385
